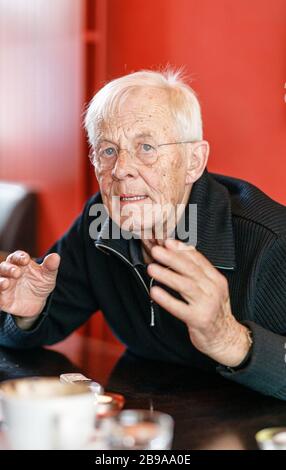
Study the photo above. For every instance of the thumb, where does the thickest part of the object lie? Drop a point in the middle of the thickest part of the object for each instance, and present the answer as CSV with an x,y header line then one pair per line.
x,y
51,263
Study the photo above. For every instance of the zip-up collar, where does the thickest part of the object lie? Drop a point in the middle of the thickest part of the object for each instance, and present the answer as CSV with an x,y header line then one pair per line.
x,y
215,238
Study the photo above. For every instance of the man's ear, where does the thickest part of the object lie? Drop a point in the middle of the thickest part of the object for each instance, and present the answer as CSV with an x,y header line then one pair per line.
x,y
198,159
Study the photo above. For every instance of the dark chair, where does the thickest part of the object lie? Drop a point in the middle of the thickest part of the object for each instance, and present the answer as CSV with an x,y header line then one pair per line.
x,y
17,218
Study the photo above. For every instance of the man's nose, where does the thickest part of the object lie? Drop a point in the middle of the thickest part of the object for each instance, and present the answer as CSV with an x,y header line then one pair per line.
x,y
124,165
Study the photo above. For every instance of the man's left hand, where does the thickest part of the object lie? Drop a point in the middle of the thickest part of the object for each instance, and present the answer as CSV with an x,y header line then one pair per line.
x,y
207,312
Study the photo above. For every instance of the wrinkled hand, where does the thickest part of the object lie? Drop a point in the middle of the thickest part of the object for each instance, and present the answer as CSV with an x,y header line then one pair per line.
x,y
25,285
207,312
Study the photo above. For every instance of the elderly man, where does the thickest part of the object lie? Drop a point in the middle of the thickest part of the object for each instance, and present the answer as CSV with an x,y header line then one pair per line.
x,y
218,303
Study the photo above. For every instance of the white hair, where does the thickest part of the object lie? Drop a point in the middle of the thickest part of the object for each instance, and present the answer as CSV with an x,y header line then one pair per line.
x,y
184,103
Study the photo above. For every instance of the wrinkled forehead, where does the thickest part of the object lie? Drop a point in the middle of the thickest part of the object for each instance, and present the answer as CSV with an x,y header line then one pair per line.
x,y
141,111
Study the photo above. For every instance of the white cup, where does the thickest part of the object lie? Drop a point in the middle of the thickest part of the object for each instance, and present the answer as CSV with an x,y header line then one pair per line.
x,y
42,413
271,438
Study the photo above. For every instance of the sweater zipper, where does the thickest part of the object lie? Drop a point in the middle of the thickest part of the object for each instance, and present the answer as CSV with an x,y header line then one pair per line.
x,y
152,322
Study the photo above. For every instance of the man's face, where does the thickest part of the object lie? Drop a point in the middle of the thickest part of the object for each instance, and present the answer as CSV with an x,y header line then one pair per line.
x,y
143,118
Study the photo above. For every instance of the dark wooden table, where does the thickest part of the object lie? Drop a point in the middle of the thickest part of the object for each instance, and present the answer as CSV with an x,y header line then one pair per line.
x,y
209,411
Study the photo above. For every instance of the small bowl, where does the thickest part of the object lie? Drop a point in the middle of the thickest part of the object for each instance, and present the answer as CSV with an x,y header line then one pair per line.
x,y
109,404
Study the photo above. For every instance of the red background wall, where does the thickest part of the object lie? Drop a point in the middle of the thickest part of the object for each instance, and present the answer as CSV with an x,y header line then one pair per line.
x,y
55,54
235,52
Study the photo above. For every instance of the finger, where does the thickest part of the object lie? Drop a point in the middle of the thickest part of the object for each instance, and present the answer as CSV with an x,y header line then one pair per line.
x,y
51,263
178,245
178,308
4,284
189,251
19,257
178,261
9,270
187,286
182,260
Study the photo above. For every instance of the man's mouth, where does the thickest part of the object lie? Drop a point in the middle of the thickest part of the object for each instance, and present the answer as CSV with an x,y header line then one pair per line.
x,y
132,197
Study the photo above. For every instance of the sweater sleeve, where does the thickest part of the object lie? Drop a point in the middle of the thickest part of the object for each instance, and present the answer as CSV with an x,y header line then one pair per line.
x,y
266,369
72,301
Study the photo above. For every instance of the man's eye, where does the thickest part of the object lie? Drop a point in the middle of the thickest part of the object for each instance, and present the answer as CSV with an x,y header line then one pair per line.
x,y
147,147
109,152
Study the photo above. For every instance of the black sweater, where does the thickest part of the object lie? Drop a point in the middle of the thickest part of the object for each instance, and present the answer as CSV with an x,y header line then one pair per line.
x,y
240,230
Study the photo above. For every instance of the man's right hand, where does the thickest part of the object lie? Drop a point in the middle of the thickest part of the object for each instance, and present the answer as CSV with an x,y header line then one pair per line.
x,y
26,285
